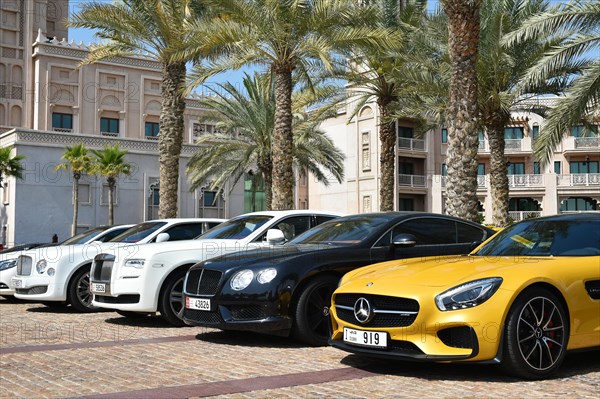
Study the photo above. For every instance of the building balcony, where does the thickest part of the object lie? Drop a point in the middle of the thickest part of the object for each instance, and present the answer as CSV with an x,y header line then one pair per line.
x,y
406,144
154,138
511,146
109,134
517,216
581,144
482,181
525,181
417,181
579,180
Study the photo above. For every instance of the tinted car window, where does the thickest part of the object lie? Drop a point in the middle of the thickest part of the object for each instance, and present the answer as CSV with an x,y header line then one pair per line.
x,y
84,237
185,231
291,227
323,219
468,233
112,234
349,230
236,229
546,238
138,232
429,231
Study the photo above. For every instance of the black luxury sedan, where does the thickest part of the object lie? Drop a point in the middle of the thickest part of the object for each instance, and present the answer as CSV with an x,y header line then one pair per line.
x,y
287,289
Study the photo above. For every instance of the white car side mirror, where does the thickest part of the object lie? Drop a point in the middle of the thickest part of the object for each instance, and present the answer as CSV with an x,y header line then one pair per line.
x,y
275,236
162,237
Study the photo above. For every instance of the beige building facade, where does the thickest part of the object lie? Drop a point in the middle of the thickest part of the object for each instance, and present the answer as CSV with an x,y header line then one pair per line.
x,y
569,183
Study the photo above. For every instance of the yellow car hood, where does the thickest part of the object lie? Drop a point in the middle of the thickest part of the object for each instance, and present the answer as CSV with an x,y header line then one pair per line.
x,y
437,271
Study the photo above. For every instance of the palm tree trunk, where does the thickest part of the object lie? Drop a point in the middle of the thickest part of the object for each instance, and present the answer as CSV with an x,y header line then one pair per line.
x,y
463,140
387,136
76,177
266,169
498,174
170,139
282,144
111,200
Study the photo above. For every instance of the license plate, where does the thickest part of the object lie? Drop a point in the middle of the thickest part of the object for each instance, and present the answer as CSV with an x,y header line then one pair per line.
x,y
98,288
373,339
18,283
197,303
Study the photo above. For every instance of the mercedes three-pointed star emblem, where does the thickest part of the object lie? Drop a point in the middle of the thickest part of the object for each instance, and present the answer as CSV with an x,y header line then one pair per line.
x,y
362,310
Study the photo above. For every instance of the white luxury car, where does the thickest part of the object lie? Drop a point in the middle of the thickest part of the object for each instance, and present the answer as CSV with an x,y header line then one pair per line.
x,y
151,280
8,260
62,274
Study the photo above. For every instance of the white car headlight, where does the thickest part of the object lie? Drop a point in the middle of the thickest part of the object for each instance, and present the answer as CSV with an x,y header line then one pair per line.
x,y
41,266
266,276
137,263
8,264
241,280
468,295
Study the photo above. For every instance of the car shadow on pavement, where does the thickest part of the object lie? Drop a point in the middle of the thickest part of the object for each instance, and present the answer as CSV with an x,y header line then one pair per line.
x,y
247,338
61,308
140,321
575,364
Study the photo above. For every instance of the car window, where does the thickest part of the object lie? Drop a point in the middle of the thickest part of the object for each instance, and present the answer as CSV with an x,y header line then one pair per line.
x,y
138,232
184,231
111,234
428,230
291,227
323,219
237,228
468,233
84,237
344,231
546,238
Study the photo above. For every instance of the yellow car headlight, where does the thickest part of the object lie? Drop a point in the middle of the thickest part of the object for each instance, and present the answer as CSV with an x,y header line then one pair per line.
x,y
468,295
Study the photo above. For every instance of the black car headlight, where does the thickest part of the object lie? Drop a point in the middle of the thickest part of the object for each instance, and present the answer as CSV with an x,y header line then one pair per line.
x,y
8,264
468,295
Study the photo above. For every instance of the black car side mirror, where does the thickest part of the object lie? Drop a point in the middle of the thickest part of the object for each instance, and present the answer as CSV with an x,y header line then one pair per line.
x,y
404,240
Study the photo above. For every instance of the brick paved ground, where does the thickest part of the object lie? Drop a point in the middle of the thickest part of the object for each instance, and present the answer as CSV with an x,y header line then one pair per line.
x,y
55,353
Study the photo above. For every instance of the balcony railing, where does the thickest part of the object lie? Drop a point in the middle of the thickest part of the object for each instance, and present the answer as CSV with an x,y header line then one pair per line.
x,y
522,215
513,145
411,144
412,181
525,180
482,181
110,134
154,138
579,180
62,130
587,142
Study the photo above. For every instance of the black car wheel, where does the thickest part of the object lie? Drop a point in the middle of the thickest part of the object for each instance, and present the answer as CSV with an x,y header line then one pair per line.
x,y
311,318
537,333
80,296
170,300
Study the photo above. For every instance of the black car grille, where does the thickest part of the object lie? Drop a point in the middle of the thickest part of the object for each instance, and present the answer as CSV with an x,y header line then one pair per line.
x,y
257,312
24,264
127,298
102,268
201,316
345,310
32,290
404,347
458,337
203,281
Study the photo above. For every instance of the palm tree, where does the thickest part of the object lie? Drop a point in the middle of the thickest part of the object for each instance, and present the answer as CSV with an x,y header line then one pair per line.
x,y
499,70
463,140
10,165
111,163
155,28
286,37
384,79
246,122
579,22
78,160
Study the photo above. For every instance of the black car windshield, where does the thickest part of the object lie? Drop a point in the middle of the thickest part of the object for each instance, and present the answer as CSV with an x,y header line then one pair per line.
x,y
236,229
84,237
345,231
546,238
138,232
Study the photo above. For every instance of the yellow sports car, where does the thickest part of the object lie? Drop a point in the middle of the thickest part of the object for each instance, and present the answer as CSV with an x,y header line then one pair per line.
x,y
522,299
